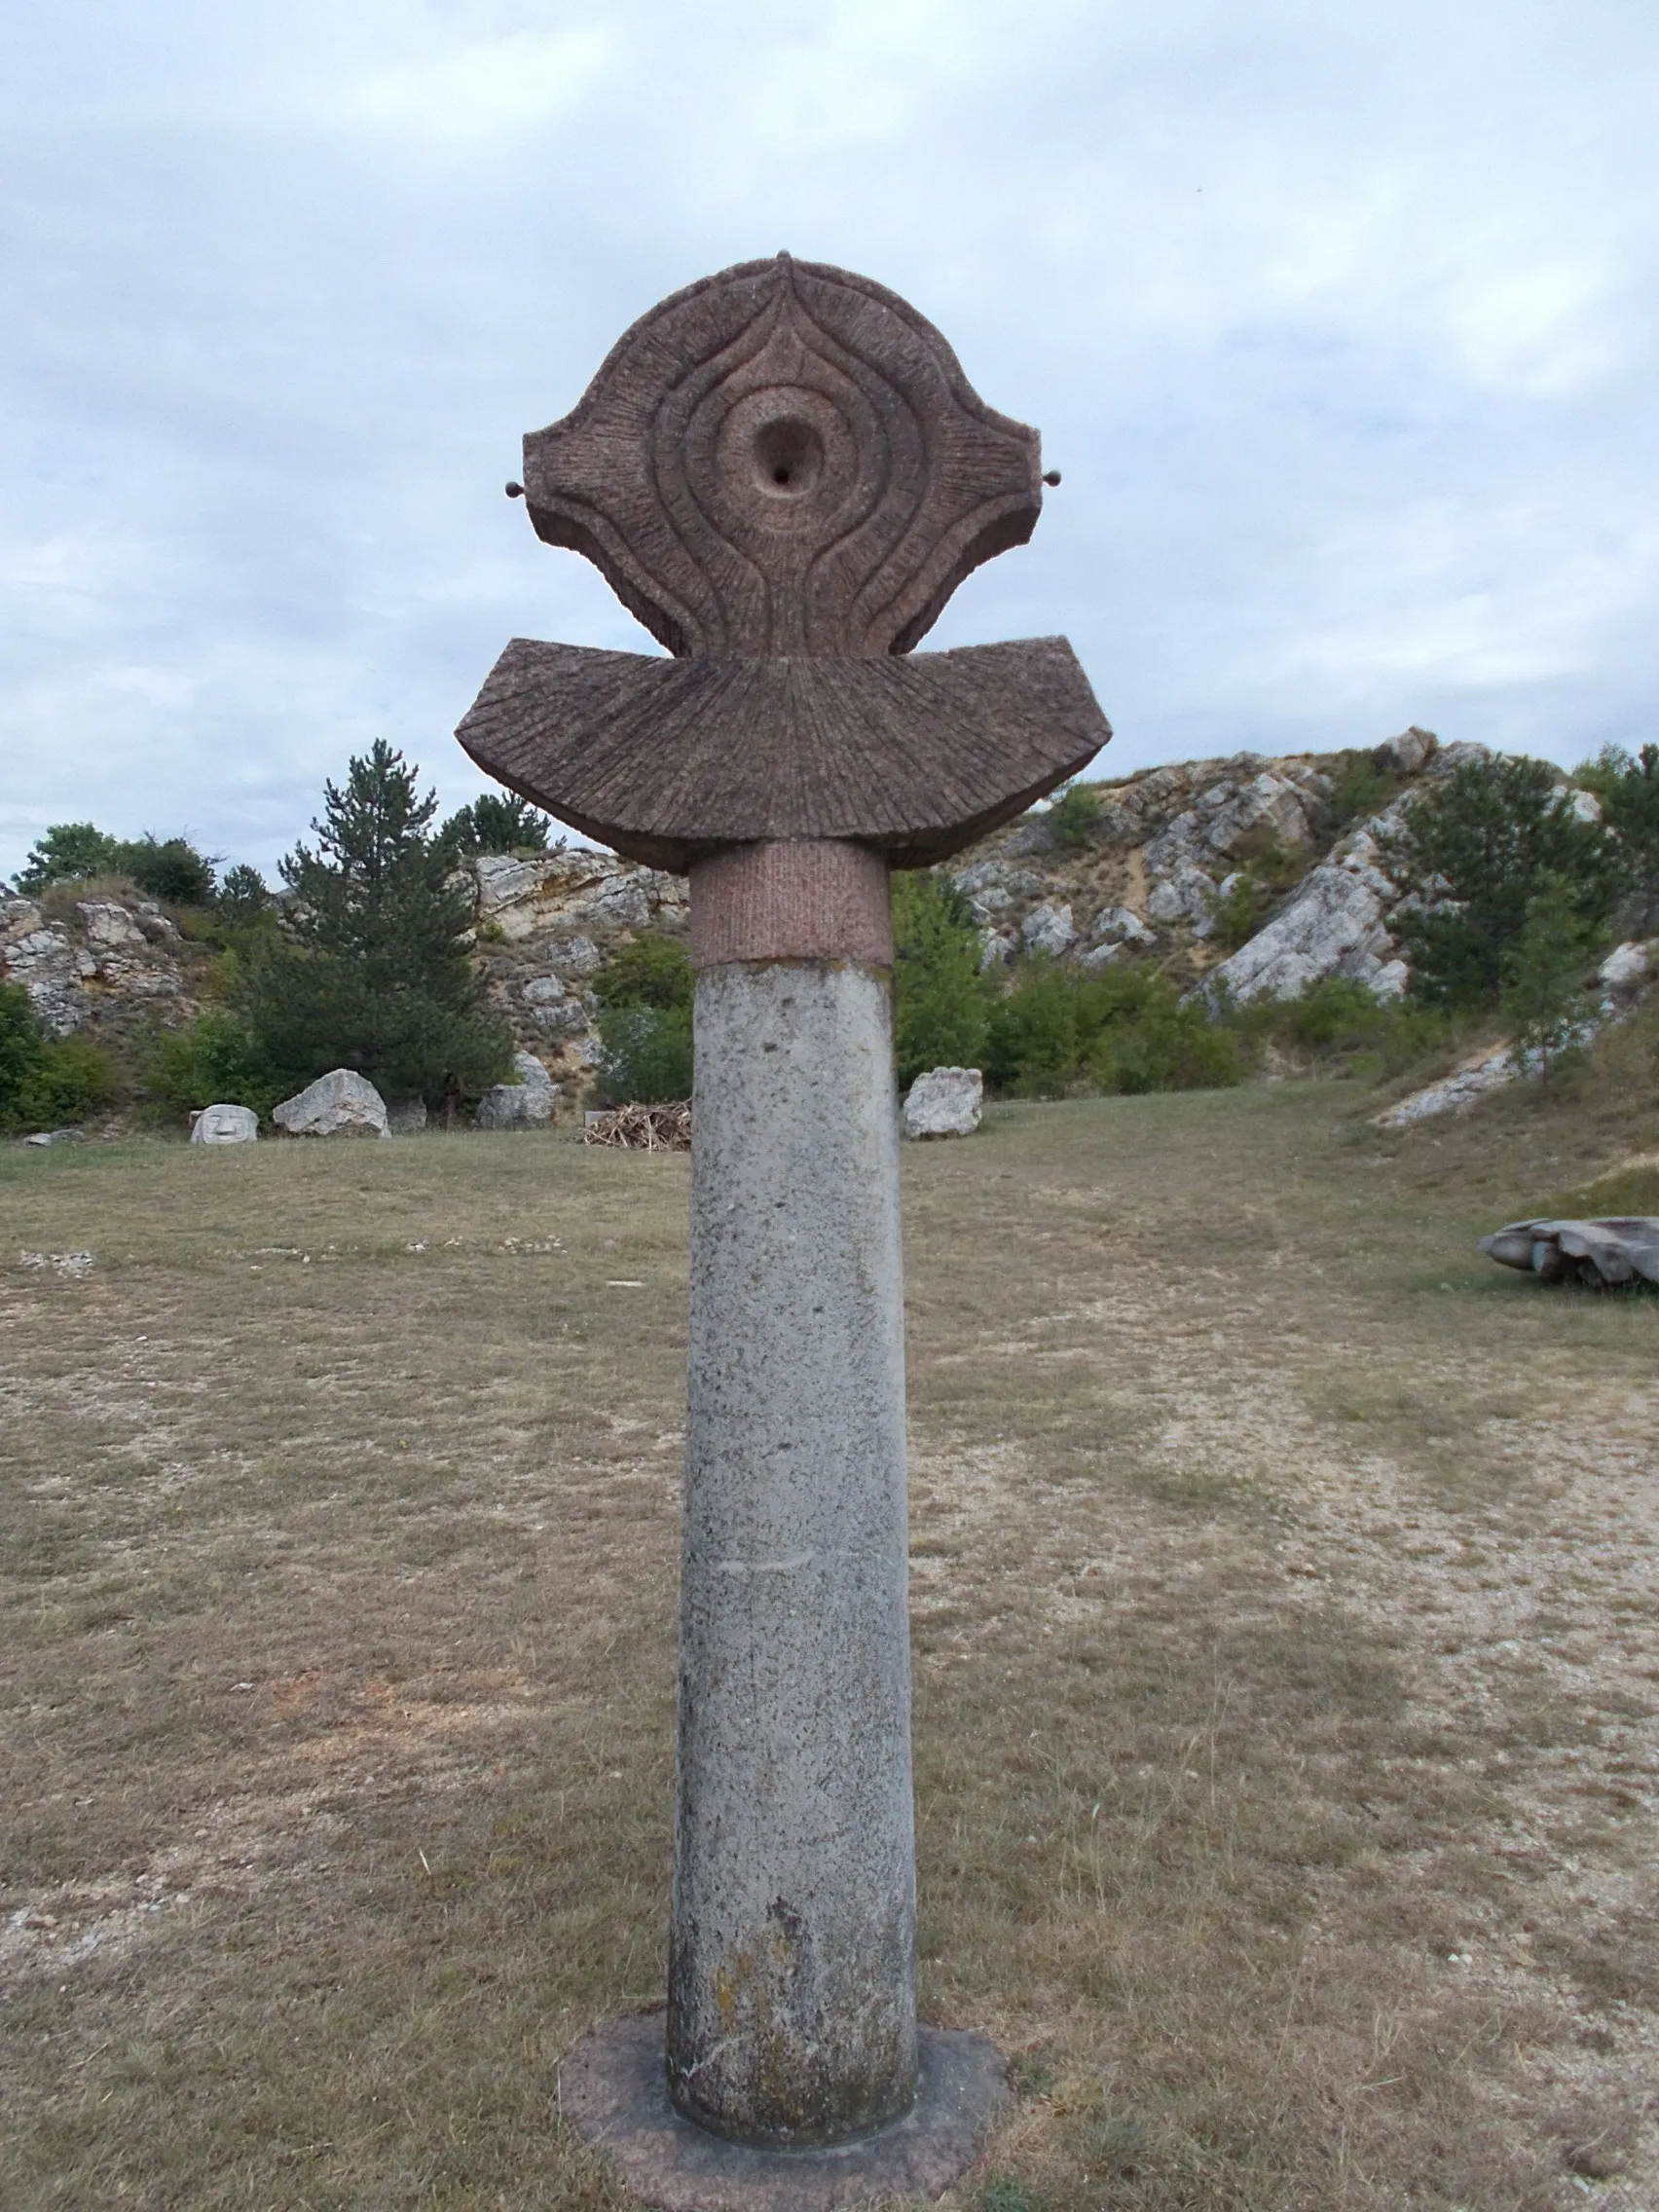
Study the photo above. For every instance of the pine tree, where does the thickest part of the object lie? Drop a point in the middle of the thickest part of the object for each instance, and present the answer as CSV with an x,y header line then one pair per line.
x,y
374,969
1476,849
497,821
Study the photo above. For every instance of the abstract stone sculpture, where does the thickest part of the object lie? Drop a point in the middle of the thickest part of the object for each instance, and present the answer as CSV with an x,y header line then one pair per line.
x,y
783,473
1597,1253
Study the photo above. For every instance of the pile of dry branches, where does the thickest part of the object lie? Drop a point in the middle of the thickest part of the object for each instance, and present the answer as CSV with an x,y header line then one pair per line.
x,y
643,1129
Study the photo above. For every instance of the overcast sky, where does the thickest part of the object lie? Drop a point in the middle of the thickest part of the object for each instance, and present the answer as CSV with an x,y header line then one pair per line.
x,y
1339,320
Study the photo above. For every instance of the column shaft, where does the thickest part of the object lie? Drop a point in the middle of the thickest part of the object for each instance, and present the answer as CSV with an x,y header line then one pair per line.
x,y
791,1976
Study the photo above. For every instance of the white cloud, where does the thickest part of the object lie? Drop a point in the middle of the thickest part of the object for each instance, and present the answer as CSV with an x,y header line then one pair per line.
x,y
475,94
1338,322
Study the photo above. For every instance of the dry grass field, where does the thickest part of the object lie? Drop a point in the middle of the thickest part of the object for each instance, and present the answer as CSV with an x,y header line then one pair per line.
x,y
1286,1633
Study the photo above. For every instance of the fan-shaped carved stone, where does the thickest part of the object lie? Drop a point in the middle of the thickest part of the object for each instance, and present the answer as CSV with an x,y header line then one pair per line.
x,y
669,761
784,460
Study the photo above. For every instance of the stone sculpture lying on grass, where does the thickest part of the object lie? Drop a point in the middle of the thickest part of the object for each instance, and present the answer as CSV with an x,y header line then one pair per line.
x,y
224,1124
1597,1253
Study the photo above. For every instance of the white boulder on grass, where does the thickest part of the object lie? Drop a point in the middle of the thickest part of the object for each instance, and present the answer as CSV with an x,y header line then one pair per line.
x,y
944,1102
225,1124
339,1104
525,1104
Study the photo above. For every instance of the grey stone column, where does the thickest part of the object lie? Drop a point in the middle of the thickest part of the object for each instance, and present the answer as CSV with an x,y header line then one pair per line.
x,y
792,1977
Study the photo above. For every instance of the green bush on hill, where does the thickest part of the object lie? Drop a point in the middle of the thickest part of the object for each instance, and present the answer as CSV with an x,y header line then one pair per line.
x,y
645,992
1055,1030
47,1082
1343,1027
1629,791
167,869
940,1000
211,1061
1072,814
497,821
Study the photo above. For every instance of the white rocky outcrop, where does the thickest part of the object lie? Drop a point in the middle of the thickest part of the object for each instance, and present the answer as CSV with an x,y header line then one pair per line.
x,y
1625,968
1186,894
1049,928
1120,925
944,1102
1408,754
570,888
1334,923
225,1124
525,1104
339,1104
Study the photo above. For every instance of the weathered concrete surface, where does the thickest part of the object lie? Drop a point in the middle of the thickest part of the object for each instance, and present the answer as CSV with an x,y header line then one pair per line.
x,y
792,1974
614,2091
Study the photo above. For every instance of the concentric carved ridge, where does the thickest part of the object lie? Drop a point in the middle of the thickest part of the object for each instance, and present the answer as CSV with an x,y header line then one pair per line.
x,y
784,459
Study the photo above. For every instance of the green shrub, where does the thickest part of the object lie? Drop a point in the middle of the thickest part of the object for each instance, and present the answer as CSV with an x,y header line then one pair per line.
x,y
1362,790
1072,814
1547,969
45,1081
170,869
1239,911
653,969
1345,1028
69,853
940,999
71,1079
1056,1031
1629,791
645,1055
211,1061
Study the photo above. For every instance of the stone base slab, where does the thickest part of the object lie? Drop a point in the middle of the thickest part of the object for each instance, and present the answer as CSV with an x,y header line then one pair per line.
x,y
614,2091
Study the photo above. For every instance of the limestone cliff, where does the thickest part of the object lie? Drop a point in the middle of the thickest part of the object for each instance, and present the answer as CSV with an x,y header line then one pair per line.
x,y
1144,880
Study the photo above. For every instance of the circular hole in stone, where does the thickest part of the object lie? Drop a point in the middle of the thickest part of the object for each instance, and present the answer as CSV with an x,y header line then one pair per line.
x,y
789,457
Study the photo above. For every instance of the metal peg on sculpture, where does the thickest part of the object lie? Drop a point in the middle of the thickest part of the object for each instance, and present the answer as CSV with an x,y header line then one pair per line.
x,y
784,473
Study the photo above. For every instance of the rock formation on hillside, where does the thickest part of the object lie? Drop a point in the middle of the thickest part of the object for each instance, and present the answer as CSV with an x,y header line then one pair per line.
x,y
1149,878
